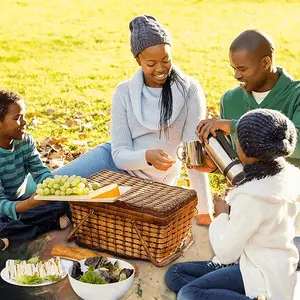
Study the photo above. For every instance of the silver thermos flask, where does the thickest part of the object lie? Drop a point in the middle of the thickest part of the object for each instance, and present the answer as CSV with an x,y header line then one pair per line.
x,y
221,152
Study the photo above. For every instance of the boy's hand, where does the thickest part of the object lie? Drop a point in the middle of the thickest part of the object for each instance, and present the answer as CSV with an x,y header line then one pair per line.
x,y
159,159
29,203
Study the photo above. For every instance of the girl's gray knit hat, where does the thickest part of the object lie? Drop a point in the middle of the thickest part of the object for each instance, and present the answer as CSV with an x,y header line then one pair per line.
x,y
146,31
266,134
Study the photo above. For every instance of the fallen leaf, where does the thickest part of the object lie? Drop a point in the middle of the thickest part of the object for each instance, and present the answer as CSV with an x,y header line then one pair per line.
x,y
83,136
79,143
50,111
79,115
70,123
56,163
33,123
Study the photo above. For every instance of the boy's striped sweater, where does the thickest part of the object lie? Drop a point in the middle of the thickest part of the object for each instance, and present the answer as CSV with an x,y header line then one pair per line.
x,y
15,165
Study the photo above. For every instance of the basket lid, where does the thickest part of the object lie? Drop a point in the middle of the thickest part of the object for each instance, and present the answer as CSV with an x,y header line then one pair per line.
x,y
145,195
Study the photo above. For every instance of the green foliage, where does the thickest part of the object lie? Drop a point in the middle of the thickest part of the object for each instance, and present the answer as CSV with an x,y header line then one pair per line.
x,y
53,278
30,280
91,276
69,56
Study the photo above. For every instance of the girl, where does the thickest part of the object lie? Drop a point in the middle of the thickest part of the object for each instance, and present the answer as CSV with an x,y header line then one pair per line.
x,y
152,114
255,253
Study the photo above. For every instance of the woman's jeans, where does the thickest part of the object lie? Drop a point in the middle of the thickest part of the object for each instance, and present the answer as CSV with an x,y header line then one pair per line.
x,y
94,161
206,280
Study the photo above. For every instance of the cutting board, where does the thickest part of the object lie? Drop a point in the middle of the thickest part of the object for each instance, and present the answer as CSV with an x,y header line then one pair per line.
x,y
85,198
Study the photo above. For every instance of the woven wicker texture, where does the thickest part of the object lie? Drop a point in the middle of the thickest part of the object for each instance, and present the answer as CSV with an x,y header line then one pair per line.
x,y
164,227
145,195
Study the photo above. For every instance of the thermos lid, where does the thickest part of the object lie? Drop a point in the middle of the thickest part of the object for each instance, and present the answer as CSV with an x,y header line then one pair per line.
x,y
238,179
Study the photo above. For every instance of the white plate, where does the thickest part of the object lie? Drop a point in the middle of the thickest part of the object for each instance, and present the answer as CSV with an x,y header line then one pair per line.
x,y
86,198
65,266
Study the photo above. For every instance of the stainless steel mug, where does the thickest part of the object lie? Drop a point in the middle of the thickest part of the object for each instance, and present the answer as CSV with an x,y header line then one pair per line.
x,y
193,153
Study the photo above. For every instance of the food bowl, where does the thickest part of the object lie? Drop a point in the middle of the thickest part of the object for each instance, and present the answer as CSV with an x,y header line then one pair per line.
x,y
110,291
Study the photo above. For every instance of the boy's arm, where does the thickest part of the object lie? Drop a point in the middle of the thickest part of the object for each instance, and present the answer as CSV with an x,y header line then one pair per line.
x,y
12,208
36,167
7,207
230,234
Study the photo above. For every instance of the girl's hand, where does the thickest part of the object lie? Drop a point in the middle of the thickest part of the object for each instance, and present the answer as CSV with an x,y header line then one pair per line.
x,y
220,206
160,159
208,164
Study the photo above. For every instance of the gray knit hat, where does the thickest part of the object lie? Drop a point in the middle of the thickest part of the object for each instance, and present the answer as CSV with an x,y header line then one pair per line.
x,y
266,134
146,32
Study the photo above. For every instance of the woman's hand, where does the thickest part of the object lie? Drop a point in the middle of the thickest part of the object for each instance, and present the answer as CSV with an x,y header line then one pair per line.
x,y
205,127
220,206
160,159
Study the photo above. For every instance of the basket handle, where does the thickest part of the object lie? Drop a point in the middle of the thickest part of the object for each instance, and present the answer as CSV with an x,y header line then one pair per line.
x,y
73,231
168,260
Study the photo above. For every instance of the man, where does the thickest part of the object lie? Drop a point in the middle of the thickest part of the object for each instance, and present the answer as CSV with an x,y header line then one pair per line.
x,y
262,85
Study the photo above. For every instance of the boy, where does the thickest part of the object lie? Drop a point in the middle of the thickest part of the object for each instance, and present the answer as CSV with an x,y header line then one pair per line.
x,y
22,217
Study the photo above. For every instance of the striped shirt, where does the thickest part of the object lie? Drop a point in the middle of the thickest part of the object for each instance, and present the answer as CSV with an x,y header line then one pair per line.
x,y
15,165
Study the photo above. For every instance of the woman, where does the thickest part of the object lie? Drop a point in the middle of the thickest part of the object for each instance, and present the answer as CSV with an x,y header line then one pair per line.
x,y
255,254
152,114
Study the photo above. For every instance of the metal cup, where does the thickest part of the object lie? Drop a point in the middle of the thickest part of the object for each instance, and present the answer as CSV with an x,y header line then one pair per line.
x,y
193,153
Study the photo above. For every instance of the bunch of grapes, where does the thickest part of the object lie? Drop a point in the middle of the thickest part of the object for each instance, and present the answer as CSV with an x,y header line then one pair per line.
x,y
64,186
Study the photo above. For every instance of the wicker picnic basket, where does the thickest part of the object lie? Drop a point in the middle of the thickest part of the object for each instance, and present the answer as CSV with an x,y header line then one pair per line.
x,y
151,221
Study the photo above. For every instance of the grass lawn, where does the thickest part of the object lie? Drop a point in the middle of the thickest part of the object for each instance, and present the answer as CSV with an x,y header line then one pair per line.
x,y
66,56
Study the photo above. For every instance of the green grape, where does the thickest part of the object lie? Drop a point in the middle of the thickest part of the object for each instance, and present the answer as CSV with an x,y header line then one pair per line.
x,y
40,191
75,183
64,178
50,185
67,184
81,185
57,193
79,191
95,186
56,186
57,178
84,181
47,180
69,191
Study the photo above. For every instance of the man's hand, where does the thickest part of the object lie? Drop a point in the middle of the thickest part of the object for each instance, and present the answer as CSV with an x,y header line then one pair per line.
x,y
160,159
30,203
220,206
205,127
